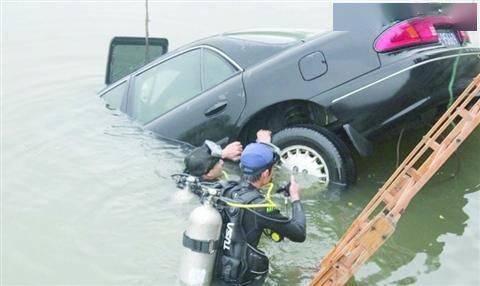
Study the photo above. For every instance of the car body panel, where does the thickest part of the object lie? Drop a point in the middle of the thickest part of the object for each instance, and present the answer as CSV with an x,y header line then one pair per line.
x,y
381,98
279,78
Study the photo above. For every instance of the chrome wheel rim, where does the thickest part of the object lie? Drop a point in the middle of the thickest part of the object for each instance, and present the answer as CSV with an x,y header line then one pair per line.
x,y
303,159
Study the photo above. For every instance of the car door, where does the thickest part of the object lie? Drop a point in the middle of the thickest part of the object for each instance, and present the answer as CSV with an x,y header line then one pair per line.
x,y
195,95
125,55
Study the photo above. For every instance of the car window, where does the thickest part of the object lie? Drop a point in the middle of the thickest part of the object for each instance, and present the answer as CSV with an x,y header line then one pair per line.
x,y
215,69
166,86
114,96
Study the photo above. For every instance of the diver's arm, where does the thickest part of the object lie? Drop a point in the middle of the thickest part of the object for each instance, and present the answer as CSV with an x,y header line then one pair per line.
x,y
293,229
298,215
299,219
264,136
232,151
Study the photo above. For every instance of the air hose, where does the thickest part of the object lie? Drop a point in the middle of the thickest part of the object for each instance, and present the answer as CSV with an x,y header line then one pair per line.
x,y
225,175
182,181
269,203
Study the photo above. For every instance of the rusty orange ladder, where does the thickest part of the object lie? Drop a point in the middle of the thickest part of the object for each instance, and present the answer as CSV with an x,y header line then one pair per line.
x,y
378,220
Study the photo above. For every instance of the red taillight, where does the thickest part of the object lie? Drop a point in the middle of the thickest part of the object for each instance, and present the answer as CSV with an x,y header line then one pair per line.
x,y
408,33
463,36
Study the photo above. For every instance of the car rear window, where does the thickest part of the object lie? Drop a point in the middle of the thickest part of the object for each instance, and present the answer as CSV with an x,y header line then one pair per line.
x,y
272,37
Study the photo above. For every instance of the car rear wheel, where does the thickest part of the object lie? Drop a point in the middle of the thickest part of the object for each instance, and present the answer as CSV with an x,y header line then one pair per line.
x,y
316,152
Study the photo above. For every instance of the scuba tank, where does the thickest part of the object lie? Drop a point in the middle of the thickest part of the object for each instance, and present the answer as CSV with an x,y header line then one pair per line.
x,y
200,240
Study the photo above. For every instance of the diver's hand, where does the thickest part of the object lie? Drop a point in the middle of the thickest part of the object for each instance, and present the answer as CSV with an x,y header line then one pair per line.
x,y
232,151
294,189
264,136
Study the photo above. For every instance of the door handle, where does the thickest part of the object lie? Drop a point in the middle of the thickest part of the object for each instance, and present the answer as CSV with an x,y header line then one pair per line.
x,y
216,108
108,106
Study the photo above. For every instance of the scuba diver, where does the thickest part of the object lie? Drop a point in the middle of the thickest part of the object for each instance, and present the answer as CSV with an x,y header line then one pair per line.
x,y
206,161
223,233
239,261
203,164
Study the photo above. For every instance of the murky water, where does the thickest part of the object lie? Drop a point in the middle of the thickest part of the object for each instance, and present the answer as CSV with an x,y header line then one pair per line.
x,y
86,194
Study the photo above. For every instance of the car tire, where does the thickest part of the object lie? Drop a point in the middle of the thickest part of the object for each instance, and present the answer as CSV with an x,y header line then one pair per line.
x,y
317,152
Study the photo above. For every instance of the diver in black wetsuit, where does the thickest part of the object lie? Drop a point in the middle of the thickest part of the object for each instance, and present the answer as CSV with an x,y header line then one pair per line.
x,y
206,161
239,262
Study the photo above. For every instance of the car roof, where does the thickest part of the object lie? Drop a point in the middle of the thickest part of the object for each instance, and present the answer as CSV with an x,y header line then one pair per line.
x,y
250,47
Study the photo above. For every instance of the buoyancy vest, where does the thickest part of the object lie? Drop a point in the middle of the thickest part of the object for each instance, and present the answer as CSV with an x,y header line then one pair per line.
x,y
238,262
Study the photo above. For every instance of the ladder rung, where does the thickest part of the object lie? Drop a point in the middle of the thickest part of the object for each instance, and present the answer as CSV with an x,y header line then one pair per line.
x,y
388,198
465,114
433,145
414,174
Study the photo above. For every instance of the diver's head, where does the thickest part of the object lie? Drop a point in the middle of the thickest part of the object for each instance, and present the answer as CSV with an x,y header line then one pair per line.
x,y
204,162
257,163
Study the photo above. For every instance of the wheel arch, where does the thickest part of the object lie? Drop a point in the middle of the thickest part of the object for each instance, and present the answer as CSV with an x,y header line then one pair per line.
x,y
288,113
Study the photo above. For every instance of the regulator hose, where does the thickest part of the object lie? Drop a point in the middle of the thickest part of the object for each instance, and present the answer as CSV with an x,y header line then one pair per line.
x,y
232,203
250,209
269,203
225,174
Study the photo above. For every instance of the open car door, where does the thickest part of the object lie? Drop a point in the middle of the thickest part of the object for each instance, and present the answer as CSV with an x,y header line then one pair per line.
x,y
127,54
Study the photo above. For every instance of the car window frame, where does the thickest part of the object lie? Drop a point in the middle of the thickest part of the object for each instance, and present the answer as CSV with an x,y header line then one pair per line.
x,y
132,77
125,80
202,70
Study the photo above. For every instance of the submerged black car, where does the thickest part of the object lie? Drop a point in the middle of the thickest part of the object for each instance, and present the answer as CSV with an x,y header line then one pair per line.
x,y
323,94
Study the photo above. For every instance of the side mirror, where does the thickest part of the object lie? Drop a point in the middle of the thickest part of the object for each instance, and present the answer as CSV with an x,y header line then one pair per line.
x,y
127,54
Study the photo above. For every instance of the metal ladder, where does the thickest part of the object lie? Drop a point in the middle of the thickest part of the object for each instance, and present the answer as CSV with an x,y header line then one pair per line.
x,y
378,220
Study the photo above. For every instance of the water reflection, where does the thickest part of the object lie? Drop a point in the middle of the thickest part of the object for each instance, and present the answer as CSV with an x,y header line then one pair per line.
x,y
437,210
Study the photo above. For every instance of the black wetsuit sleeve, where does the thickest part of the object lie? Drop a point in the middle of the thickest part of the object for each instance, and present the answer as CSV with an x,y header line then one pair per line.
x,y
293,229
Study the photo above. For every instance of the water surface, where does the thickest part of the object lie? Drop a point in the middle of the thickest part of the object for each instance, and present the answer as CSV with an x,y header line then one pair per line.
x,y
86,194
